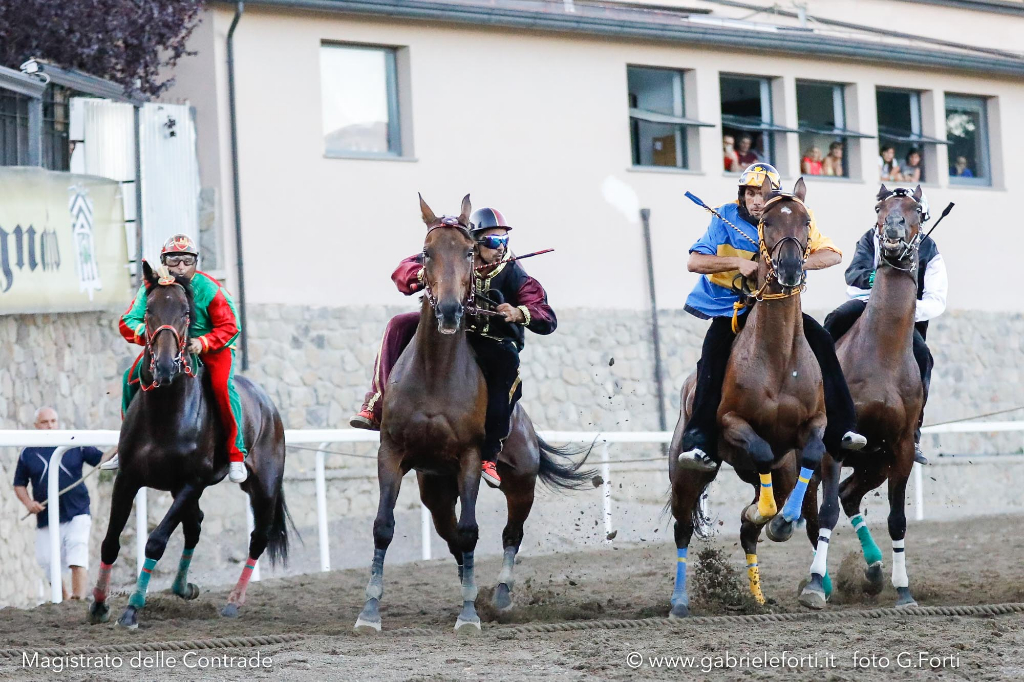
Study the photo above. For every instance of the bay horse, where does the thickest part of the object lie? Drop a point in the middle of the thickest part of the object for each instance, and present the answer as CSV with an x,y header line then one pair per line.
x,y
433,422
772,403
878,360
172,439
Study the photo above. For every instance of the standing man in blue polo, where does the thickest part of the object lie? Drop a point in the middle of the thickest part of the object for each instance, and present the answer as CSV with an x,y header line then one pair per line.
x,y
75,521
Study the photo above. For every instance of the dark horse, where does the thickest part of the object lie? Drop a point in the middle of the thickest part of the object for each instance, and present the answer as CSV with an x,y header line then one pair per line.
x,y
772,401
172,439
433,422
885,382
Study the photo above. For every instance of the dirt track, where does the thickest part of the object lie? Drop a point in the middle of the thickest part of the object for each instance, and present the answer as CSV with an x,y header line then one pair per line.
x,y
972,562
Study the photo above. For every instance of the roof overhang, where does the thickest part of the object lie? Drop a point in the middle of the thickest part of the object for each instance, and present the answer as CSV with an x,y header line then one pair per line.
x,y
643,24
16,81
43,72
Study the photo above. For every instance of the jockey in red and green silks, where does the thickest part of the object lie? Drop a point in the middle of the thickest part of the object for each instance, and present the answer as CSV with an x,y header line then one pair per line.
x,y
212,335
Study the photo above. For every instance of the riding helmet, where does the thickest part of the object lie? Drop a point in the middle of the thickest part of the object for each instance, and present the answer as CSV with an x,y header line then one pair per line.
x,y
178,244
756,174
486,219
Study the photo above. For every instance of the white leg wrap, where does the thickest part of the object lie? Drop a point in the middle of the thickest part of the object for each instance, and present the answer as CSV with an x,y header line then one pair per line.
x,y
820,564
899,564
508,562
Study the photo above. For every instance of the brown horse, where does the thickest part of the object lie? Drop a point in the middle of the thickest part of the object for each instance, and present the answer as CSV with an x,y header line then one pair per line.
x,y
772,401
433,422
885,382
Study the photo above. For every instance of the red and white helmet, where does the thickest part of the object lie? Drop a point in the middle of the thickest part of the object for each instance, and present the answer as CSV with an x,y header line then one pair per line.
x,y
179,244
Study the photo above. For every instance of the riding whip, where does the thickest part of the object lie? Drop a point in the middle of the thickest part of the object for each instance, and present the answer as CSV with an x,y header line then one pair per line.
x,y
525,255
697,200
945,212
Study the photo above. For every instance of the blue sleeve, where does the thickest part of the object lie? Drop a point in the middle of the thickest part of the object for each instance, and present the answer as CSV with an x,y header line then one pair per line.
x,y
21,473
92,456
711,239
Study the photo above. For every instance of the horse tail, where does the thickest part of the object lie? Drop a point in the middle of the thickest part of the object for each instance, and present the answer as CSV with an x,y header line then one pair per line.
x,y
698,518
277,537
558,471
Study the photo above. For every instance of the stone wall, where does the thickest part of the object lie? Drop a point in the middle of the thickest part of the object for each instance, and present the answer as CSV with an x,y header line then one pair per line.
x,y
595,372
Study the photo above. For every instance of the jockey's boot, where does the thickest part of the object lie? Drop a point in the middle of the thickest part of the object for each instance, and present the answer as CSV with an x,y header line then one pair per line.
x,y
918,453
112,464
854,441
697,459
365,420
237,473
490,474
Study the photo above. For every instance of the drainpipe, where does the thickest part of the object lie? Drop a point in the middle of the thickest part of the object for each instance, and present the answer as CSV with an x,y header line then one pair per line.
x,y
645,218
240,259
139,251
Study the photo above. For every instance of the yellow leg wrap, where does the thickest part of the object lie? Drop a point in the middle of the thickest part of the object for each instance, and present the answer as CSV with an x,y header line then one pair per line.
x,y
766,500
755,578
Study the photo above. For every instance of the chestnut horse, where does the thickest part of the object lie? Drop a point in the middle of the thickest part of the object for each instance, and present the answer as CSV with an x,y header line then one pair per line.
x,y
172,439
433,422
772,401
878,360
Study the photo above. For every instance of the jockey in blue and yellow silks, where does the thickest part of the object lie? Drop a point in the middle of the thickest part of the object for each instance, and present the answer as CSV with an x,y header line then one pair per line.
x,y
212,335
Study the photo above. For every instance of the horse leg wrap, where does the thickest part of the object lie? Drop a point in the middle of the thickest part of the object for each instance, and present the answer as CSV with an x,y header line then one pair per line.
x,y
507,563
468,580
899,564
766,500
375,588
820,564
755,578
99,593
138,598
180,585
679,593
237,595
795,501
872,554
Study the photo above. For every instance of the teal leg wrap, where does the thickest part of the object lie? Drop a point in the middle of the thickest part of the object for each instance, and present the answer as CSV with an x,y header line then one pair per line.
x,y
181,580
138,598
872,554
826,582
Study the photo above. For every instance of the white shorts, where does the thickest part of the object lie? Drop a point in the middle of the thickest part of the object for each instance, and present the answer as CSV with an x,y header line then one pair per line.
x,y
74,543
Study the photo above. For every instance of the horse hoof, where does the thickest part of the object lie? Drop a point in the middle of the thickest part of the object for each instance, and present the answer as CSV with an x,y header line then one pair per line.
x,y
129,619
903,598
873,580
191,592
467,628
679,611
366,627
502,599
99,612
230,610
751,514
779,529
812,597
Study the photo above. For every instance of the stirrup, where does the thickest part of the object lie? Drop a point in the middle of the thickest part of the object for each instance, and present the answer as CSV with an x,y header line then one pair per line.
x,y
697,460
853,441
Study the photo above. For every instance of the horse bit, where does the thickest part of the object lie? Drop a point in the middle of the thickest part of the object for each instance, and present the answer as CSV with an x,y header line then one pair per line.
x,y
909,248
181,339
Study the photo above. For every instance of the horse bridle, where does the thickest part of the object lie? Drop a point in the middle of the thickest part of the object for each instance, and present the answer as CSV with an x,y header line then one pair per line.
x,y
180,339
469,303
910,248
766,253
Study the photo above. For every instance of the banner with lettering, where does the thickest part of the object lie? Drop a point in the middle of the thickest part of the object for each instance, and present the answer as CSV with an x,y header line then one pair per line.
x,y
62,242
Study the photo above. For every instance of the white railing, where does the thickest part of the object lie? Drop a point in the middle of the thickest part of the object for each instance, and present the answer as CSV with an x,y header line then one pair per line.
x,y
64,440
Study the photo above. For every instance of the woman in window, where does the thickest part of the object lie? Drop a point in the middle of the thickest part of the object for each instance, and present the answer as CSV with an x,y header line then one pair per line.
x,y
833,163
811,163
888,166
961,169
912,168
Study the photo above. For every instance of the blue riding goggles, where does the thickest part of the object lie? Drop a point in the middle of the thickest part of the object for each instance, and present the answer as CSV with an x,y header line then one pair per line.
x,y
493,241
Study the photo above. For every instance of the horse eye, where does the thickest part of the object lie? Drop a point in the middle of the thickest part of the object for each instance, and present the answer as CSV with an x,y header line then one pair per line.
x,y
469,254
878,209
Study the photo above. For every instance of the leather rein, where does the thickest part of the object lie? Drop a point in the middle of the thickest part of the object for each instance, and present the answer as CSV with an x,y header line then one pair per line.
x,y
179,338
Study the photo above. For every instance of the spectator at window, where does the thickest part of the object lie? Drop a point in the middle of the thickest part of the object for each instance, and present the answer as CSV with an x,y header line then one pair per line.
x,y
75,521
888,166
745,153
960,169
730,158
811,164
833,163
912,168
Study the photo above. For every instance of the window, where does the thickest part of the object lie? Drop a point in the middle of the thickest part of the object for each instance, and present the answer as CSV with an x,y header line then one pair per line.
x,y
967,133
660,133
14,129
824,138
747,121
902,147
359,92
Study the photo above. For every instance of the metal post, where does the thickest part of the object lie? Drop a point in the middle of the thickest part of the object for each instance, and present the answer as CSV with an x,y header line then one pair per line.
x,y
141,529
321,509
243,336
53,519
251,524
425,530
918,493
138,195
35,131
659,384
607,491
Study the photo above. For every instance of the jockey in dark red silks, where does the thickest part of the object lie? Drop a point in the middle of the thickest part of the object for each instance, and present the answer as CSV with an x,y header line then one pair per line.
x,y
496,341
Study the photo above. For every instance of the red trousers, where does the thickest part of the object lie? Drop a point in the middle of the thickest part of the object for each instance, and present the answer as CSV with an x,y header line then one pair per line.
x,y
397,335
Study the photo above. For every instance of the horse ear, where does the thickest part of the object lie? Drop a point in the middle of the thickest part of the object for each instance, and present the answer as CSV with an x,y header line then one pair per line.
x,y
766,189
918,193
800,189
147,273
428,216
883,192
467,210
